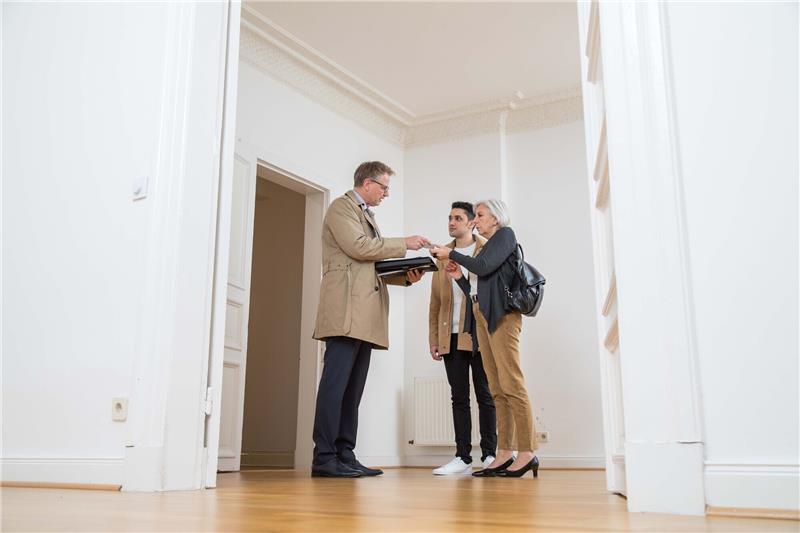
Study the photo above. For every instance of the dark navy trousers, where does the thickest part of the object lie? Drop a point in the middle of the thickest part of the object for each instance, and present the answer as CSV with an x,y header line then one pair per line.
x,y
344,374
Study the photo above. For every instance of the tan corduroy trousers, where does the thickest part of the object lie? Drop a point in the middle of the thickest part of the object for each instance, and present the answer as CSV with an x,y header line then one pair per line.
x,y
500,353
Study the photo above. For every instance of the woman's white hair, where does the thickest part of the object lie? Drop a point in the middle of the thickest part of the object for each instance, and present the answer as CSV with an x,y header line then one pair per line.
x,y
499,209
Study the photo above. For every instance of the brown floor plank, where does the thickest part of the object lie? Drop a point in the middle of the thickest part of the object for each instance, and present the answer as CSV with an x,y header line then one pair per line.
x,y
401,500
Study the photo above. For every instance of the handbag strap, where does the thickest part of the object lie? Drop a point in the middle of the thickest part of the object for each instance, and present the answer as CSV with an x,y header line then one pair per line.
x,y
518,261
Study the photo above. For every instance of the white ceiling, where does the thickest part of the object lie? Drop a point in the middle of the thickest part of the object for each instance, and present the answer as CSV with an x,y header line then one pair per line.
x,y
436,57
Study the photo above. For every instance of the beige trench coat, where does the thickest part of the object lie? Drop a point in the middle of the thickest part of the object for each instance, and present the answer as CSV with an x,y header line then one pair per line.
x,y
353,300
440,315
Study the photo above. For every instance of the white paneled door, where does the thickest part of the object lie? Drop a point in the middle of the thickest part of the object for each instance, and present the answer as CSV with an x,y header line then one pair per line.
x,y
237,306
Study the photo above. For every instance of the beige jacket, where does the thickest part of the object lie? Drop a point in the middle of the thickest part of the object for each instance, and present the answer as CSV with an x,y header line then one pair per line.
x,y
353,300
440,316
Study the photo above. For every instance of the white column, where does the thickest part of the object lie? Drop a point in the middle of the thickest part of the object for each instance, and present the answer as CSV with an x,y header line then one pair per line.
x,y
664,434
502,137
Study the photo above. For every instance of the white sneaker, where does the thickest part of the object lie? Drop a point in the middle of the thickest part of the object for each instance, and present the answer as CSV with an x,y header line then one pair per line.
x,y
456,466
489,460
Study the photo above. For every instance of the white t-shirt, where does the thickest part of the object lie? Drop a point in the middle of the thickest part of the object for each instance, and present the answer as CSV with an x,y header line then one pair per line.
x,y
458,294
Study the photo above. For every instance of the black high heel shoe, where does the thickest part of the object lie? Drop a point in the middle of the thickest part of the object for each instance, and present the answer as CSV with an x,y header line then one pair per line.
x,y
492,472
532,465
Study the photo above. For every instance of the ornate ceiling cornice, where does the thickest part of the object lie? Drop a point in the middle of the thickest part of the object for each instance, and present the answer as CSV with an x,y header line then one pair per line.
x,y
276,52
523,114
266,56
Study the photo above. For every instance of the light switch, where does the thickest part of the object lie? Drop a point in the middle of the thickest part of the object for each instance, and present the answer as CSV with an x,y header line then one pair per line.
x,y
140,187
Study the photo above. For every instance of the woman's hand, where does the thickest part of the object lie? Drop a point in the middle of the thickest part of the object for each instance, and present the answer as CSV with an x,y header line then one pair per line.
x,y
453,270
441,252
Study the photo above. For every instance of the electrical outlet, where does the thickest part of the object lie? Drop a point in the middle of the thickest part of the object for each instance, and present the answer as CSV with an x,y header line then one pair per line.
x,y
119,409
542,436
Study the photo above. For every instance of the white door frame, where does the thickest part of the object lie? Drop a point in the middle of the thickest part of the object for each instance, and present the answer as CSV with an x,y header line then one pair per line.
x,y
317,198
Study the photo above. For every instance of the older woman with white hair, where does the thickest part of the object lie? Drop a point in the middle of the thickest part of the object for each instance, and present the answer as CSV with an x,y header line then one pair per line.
x,y
498,331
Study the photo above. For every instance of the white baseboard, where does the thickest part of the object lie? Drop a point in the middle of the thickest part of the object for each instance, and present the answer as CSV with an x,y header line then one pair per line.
x,y
381,460
665,477
546,461
84,470
752,486
144,468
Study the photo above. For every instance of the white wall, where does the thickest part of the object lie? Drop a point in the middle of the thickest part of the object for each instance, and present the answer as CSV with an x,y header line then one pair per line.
x,y
72,239
287,129
548,200
736,87
89,105
436,176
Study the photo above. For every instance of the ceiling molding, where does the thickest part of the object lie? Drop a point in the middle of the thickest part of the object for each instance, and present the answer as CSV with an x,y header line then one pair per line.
x,y
259,51
273,50
546,114
544,111
456,127
323,65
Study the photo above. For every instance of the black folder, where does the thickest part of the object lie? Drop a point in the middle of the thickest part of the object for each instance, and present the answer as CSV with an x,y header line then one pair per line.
x,y
394,267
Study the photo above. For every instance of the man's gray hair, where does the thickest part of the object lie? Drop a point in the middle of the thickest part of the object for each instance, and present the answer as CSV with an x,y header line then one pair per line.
x,y
499,209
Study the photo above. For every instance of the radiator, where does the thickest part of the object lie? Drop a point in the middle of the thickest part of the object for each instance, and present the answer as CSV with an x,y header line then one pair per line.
x,y
433,414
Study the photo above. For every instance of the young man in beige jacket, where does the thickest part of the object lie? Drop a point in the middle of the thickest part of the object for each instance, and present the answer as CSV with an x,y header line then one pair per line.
x,y
448,341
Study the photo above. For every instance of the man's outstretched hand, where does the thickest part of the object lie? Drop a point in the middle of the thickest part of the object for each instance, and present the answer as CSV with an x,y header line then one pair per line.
x,y
415,242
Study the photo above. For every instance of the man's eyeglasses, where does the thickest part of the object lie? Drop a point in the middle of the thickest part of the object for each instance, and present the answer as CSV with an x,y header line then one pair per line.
x,y
384,187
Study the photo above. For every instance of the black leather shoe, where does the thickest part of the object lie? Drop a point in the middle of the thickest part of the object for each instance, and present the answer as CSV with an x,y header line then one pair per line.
x,y
334,468
364,470
533,465
492,472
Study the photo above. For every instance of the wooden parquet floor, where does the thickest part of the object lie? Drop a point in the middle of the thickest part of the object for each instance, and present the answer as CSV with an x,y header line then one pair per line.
x,y
401,500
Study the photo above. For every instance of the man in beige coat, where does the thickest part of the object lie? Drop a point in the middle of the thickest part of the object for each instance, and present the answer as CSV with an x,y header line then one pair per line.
x,y
353,315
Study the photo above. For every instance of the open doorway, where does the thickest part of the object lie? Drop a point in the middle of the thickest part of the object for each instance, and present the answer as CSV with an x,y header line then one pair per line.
x,y
269,431
270,365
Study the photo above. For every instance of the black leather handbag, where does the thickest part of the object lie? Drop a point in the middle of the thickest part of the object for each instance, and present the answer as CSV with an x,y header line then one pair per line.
x,y
525,288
